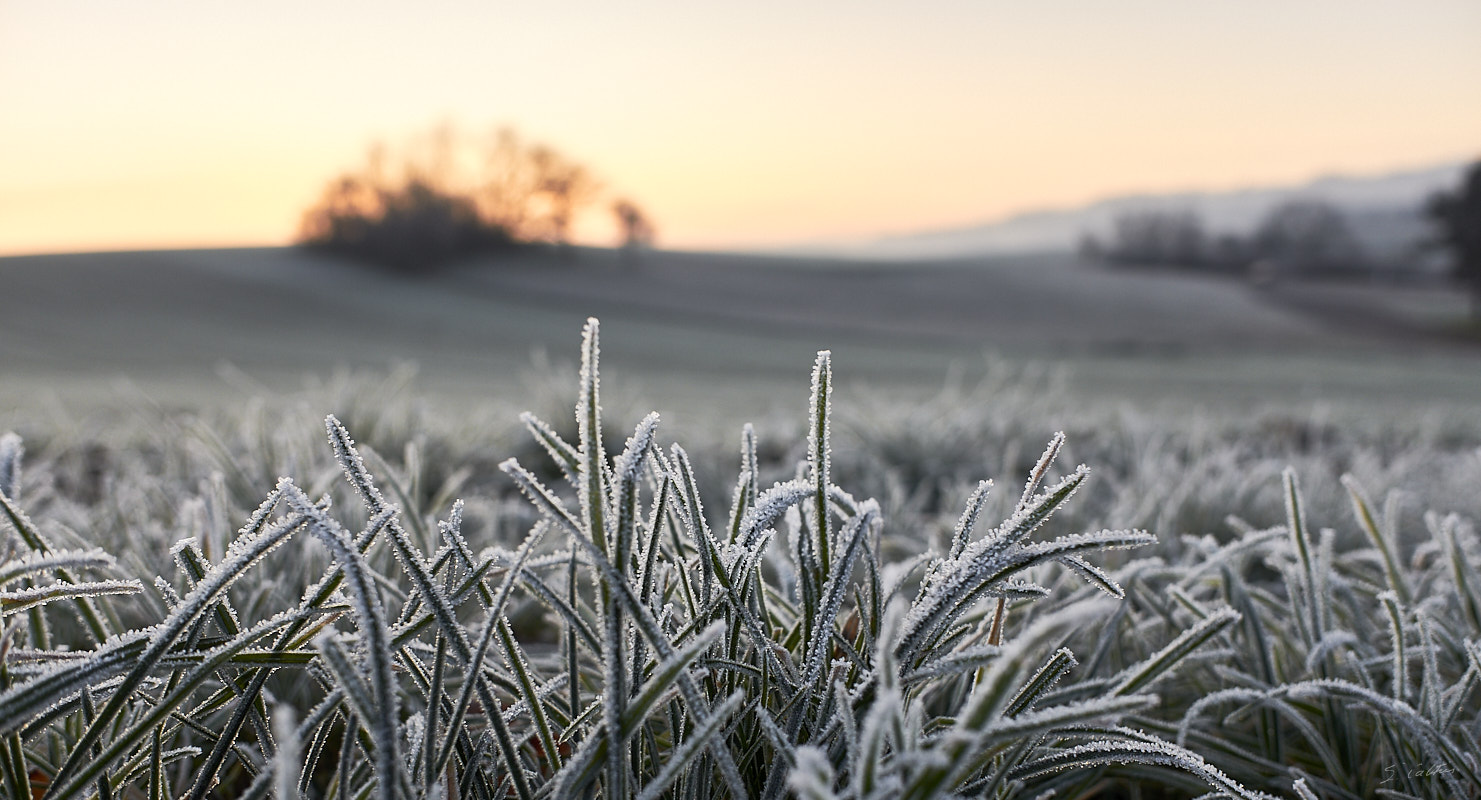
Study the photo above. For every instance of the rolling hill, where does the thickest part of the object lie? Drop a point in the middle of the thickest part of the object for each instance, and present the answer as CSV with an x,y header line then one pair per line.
x,y
725,328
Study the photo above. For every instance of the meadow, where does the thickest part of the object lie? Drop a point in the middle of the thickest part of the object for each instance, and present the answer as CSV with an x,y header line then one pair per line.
x,y
1261,582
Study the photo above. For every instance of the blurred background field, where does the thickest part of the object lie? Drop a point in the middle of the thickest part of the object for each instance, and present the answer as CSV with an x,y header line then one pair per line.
x,y
199,323
1187,393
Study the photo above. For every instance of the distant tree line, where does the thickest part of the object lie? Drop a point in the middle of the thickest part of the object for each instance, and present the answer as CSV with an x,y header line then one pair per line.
x,y
1300,236
444,197
1305,237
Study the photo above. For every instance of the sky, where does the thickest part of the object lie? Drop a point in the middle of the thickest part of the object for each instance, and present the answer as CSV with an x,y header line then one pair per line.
x,y
742,125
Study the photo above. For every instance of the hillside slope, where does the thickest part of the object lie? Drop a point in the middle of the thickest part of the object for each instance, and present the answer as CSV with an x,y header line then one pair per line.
x,y
175,316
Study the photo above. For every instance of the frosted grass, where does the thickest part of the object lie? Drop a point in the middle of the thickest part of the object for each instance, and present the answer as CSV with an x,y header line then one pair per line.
x,y
857,629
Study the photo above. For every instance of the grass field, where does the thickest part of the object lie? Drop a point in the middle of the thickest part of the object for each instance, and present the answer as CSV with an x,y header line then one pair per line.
x,y
980,360
1295,467
169,319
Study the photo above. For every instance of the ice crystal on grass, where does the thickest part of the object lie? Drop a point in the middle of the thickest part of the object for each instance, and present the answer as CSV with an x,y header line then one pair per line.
x,y
10,463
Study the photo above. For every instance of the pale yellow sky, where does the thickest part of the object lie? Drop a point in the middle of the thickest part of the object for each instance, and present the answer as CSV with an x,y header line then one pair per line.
x,y
156,124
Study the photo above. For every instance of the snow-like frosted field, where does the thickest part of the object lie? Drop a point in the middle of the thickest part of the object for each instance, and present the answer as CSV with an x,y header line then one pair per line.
x,y
1188,399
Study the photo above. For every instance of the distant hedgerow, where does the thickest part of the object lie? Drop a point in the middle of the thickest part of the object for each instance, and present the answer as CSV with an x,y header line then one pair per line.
x,y
764,650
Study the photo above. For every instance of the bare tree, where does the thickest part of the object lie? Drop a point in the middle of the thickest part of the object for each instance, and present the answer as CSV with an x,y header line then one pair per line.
x,y
1307,235
634,226
1153,237
509,184
531,190
1456,216
561,187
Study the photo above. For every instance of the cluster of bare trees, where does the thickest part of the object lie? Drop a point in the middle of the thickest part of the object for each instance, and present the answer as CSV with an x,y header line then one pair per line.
x,y
444,196
1300,236
1296,236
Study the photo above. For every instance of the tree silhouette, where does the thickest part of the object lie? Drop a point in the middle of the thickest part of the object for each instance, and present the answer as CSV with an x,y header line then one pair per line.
x,y
562,187
634,226
1307,235
409,226
531,190
441,199
1456,215
1162,237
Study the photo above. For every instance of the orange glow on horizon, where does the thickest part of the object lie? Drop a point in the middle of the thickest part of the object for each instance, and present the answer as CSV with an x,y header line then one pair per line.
x,y
173,125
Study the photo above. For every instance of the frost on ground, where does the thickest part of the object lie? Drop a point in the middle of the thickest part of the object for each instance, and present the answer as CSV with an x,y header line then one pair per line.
x,y
852,611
